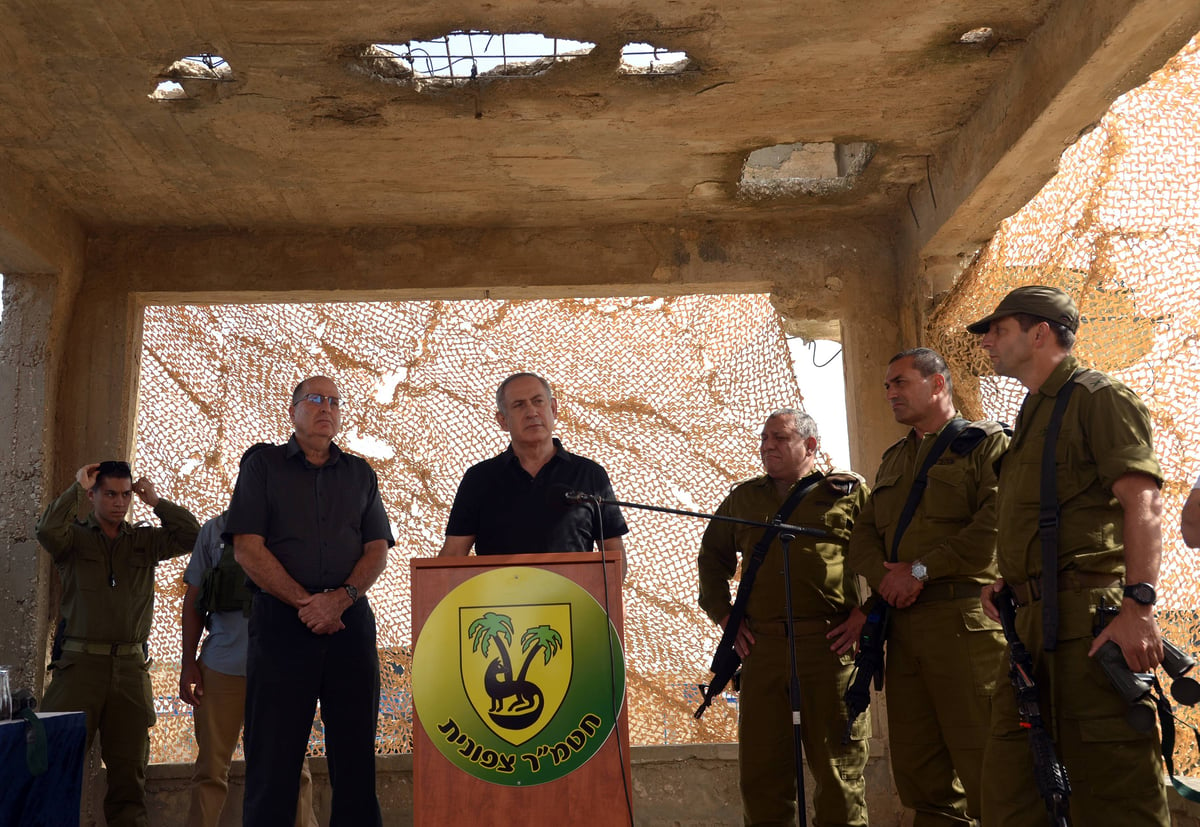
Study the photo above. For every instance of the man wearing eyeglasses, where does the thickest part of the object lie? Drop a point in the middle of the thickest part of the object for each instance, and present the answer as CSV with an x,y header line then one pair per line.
x,y
100,663
308,526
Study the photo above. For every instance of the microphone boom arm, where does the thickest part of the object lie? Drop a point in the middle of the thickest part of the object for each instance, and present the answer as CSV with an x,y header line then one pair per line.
x,y
791,529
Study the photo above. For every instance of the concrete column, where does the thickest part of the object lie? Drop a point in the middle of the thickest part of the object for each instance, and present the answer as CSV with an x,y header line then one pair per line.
x,y
26,394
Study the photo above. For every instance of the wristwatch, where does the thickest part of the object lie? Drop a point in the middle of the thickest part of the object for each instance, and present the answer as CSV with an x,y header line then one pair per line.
x,y
919,571
350,590
1142,593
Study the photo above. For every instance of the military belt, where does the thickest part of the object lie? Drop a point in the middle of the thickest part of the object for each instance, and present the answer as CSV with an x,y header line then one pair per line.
x,y
91,648
940,590
1068,581
800,626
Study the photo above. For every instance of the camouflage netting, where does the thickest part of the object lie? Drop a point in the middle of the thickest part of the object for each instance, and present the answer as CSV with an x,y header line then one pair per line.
x,y
1119,229
668,394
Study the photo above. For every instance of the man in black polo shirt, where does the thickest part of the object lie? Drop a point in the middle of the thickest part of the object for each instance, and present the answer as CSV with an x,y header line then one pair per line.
x,y
516,503
308,527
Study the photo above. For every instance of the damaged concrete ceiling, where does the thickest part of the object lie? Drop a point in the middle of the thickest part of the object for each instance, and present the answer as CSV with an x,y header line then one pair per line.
x,y
300,137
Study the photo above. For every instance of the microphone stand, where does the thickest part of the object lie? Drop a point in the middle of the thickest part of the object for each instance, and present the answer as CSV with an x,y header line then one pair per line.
x,y
787,534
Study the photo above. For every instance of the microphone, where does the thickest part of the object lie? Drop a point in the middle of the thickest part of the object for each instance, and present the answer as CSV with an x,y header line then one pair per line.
x,y
579,497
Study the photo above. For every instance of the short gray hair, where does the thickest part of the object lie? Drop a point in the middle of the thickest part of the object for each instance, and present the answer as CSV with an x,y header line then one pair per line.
x,y
804,425
513,378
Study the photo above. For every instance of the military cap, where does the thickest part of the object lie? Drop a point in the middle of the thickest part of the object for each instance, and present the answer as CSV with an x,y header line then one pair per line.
x,y
1047,303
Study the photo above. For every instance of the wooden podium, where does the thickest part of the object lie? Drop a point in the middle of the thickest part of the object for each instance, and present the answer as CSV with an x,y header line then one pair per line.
x,y
599,792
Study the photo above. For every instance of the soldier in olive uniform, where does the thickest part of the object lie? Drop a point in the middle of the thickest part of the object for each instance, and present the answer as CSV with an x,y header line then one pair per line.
x,y
107,571
1109,548
826,620
943,654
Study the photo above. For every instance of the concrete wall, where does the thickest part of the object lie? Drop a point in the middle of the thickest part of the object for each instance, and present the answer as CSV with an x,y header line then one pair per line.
x,y
673,786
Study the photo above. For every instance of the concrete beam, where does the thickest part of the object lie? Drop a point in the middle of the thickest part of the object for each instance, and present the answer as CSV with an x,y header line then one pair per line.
x,y
1076,64
420,262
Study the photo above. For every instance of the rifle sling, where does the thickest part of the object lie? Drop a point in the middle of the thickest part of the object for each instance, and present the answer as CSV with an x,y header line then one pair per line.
x,y
750,569
949,433
1049,516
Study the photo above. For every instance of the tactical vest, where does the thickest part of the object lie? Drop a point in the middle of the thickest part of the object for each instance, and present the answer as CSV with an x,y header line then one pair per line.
x,y
224,587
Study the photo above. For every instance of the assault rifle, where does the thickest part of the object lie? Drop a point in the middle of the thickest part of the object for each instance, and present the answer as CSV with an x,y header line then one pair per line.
x,y
868,663
1048,771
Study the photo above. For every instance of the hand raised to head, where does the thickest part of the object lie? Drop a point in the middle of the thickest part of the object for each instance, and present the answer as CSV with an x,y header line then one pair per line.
x,y
146,492
86,476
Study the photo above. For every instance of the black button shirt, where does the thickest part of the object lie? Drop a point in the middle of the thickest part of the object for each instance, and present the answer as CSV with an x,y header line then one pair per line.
x,y
315,519
510,512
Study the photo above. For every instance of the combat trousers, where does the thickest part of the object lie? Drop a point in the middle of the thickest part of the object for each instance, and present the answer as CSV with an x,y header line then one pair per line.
x,y
115,693
1116,772
765,751
288,670
218,722
942,661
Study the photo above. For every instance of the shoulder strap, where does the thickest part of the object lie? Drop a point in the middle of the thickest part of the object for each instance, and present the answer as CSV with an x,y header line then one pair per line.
x,y
953,428
1048,518
750,570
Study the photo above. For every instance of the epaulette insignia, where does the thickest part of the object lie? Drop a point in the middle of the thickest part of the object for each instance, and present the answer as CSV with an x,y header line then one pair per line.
x,y
1093,380
976,433
844,482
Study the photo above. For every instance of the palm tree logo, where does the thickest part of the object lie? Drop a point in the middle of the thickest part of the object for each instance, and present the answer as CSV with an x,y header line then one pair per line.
x,y
516,703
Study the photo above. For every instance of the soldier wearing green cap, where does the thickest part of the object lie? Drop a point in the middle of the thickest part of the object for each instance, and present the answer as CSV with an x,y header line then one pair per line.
x,y
1108,550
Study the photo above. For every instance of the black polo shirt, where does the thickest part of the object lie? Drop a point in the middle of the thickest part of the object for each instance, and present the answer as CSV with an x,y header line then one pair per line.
x,y
510,512
315,519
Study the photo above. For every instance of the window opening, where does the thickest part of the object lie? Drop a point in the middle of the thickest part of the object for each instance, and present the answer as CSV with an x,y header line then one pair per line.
x,y
645,59
204,67
461,56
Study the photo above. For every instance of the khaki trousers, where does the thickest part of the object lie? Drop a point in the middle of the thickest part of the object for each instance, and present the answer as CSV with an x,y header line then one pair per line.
x,y
218,722
765,751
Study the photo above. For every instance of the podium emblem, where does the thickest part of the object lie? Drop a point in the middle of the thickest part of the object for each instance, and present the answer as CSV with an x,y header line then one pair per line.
x,y
515,663
518,676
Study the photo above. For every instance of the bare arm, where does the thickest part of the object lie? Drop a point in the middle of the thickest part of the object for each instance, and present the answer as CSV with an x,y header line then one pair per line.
x,y
1190,523
457,545
264,568
189,672
1135,629
618,544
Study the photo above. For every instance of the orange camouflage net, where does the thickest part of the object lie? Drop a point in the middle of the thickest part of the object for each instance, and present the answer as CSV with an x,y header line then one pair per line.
x,y
1119,229
667,393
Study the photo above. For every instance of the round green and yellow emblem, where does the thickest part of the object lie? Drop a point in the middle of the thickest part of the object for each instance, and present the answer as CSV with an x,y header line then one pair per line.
x,y
518,676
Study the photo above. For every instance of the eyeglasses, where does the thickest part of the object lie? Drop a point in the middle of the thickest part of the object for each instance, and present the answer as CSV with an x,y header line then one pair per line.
x,y
318,399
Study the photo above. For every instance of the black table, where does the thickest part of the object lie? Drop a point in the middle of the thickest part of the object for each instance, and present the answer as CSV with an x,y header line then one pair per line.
x,y
50,799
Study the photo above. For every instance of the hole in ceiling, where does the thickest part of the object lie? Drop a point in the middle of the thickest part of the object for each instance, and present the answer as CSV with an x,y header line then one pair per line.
x,y
816,168
176,79
645,59
977,37
461,56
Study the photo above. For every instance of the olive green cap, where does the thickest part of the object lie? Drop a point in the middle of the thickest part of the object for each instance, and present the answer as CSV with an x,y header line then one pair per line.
x,y
1047,303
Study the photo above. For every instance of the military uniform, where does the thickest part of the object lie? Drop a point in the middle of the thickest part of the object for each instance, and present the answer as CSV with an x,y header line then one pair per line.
x,y
823,592
1115,771
107,603
943,653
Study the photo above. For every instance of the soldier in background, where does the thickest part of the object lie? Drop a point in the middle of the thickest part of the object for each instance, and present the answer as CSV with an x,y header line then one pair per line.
x,y
826,621
1109,550
943,654
101,663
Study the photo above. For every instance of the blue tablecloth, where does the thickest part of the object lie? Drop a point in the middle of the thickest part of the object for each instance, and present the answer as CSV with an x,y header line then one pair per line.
x,y
50,799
